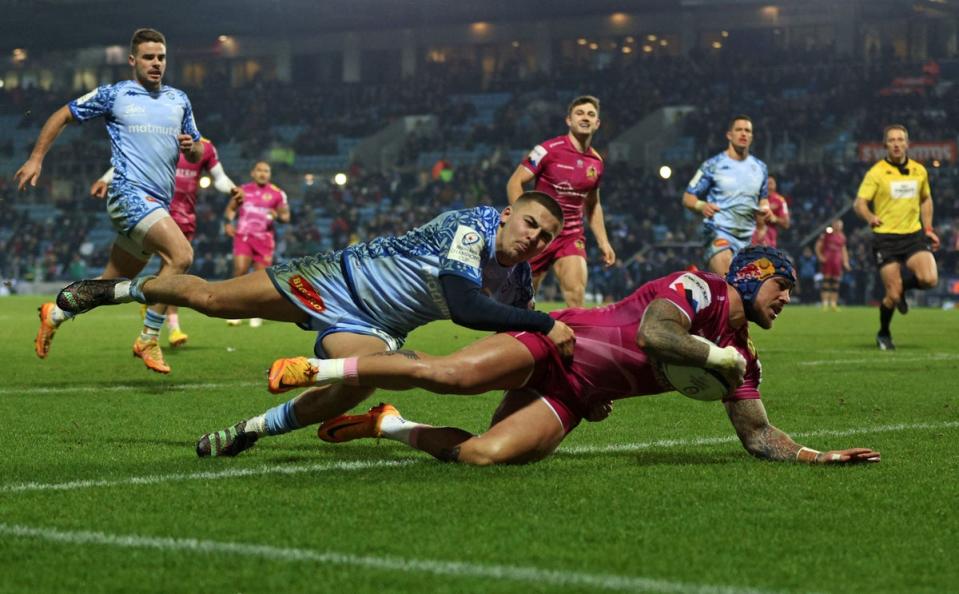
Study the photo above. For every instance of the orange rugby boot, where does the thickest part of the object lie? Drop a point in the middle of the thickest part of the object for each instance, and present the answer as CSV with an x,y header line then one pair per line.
x,y
152,355
287,374
349,427
48,328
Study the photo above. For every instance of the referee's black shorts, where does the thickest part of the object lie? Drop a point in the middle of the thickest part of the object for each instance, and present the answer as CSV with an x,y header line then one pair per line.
x,y
897,247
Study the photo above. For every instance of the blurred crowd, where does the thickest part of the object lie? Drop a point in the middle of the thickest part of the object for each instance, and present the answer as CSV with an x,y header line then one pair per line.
x,y
58,233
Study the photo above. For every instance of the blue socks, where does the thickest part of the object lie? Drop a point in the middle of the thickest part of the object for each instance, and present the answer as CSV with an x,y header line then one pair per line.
x,y
281,419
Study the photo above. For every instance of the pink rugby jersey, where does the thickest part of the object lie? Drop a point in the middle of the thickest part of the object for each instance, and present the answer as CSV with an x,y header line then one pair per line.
x,y
259,202
567,175
183,206
609,365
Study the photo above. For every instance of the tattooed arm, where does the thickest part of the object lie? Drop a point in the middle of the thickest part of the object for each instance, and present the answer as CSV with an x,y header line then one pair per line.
x,y
769,443
664,335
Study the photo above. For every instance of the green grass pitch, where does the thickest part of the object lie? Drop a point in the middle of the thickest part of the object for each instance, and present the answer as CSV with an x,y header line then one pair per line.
x,y
101,490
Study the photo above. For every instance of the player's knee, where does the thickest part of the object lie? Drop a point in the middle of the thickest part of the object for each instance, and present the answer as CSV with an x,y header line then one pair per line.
x,y
928,280
486,452
182,259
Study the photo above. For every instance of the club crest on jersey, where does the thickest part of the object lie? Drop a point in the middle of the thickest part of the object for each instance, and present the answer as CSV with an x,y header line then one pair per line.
x,y
760,270
470,238
591,172
693,290
580,244
306,294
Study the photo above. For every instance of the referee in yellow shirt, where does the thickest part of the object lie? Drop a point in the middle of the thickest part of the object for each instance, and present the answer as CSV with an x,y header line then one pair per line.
x,y
901,220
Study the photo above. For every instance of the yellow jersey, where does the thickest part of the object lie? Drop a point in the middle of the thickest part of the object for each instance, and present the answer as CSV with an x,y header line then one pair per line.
x,y
896,196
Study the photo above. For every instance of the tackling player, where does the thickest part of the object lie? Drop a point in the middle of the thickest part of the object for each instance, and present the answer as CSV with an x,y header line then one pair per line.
x,y
149,125
617,347
465,265
569,169
249,221
729,190
183,207
901,222
833,259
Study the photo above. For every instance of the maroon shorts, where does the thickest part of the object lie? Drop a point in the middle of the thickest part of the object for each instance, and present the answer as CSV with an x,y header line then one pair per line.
x,y
831,268
573,244
552,380
258,247
185,223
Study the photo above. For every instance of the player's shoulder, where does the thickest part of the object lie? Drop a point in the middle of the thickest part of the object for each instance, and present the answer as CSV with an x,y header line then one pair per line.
x,y
595,153
711,163
879,167
920,168
554,143
276,188
757,161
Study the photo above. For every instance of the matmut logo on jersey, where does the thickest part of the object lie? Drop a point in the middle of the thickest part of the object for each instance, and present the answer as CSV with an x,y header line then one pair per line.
x,y
304,291
466,247
694,290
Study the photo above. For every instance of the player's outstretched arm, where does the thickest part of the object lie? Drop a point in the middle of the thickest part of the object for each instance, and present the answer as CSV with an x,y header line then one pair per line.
x,y
765,441
29,172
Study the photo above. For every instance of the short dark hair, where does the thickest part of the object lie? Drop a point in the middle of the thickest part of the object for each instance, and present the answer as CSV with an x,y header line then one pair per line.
x,y
145,36
581,100
544,200
891,127
738,117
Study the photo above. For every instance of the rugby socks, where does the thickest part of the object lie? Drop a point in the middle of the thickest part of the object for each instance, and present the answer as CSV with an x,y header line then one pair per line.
x,y
58,316
276,421
121,292
151,325
135,288
885,316
173,321
335,370
399,429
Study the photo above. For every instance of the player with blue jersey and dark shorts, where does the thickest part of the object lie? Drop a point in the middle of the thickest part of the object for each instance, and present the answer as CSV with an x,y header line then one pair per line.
x,y
469,266
149,125
730,191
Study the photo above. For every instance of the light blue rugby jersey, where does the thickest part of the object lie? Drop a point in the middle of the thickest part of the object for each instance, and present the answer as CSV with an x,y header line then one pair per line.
x,y
736,187
396,279
143,127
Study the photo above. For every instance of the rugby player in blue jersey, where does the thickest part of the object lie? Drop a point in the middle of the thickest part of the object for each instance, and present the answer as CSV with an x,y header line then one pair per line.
x,y
469,266
149,124
730,191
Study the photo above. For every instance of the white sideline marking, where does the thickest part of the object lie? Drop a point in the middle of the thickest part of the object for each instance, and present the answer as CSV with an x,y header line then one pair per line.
x,y
886,359
669,443
128,388
360,465
513,573
196,476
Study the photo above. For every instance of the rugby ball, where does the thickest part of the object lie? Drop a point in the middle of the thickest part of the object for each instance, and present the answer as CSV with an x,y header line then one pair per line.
x,y
696,382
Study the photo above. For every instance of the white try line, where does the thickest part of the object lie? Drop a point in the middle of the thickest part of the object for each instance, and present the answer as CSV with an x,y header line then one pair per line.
x,y
361,465
436,567
886,359
204,476
128,388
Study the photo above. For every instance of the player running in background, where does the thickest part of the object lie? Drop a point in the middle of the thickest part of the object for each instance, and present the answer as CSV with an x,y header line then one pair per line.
x,y
833,259
768,228
465,265
901,222
569,169
249,221
729,190
183,208
149,125
615,356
